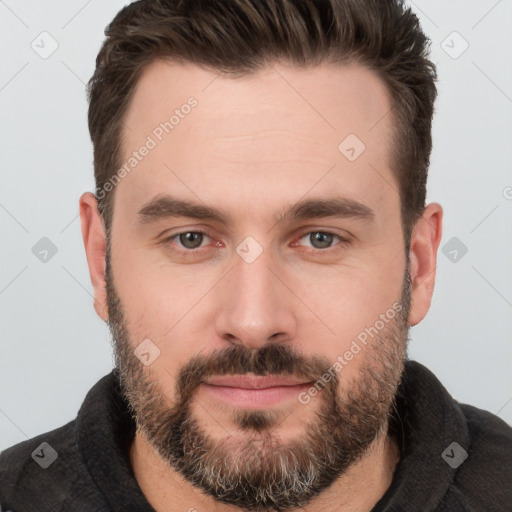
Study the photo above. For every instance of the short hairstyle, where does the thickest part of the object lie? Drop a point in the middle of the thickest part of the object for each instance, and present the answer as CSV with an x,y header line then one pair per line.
x,y
239,37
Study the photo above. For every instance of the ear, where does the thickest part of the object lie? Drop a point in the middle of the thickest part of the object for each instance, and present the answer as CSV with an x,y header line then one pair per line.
x,y
425,239
93,234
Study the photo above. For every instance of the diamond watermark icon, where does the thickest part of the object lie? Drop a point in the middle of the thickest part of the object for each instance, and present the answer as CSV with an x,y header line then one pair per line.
x,y
45,455
352,147
146,352
454,45
249,249
44,250
454,249
44,45
454,455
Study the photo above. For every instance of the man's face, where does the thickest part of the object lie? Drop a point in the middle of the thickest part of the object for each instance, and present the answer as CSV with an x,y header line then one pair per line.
x,y
304,291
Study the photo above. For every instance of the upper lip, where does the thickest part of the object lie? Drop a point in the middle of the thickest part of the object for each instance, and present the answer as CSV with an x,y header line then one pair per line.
x,y
254,381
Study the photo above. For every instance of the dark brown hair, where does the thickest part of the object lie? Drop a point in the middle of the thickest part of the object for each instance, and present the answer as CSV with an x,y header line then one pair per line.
x,y
238,37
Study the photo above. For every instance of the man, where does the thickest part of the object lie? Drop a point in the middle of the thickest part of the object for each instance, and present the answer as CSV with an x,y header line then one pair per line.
x,y
259,245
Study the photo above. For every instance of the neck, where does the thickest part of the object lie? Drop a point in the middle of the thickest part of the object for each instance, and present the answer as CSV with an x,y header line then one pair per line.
x,y
358,489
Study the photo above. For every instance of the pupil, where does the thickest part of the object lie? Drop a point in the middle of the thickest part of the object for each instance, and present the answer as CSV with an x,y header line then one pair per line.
x,y
191,240
324,239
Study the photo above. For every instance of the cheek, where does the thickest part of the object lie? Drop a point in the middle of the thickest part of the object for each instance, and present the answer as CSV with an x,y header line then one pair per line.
x,y
162,305
345,303
153,295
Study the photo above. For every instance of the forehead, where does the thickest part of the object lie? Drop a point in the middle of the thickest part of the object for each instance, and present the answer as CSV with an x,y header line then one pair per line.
x,y
263,139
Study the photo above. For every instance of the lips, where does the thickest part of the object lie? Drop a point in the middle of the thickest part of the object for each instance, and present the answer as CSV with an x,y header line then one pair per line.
x,y
253,391
254,381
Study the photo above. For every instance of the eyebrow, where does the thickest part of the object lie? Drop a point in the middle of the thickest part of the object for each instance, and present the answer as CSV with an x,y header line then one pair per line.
x,y
163,207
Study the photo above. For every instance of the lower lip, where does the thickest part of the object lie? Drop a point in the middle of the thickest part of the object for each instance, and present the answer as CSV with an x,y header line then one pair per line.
x,y
255,397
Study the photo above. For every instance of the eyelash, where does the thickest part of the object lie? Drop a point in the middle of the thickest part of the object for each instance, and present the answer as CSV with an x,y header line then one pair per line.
x,y
342,241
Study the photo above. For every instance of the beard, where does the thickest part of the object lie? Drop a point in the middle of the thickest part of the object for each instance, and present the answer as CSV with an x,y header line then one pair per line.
x,y
254,469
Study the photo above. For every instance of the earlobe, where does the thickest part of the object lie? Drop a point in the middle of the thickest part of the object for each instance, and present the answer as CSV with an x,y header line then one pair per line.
x,y
425,240
93,234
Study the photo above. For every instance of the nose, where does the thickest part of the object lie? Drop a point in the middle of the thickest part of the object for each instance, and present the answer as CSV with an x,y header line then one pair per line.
x,y
255,308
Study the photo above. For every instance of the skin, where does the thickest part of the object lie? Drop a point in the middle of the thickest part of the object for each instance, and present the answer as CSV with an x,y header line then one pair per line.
x,y
252,147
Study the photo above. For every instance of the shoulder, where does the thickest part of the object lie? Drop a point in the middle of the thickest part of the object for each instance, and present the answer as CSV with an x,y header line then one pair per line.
x,y
483,479
457,457
41,473
484,426
490,438
40,451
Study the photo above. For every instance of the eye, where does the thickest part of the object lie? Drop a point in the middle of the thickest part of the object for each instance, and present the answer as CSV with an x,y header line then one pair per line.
x,y
189,239
321,240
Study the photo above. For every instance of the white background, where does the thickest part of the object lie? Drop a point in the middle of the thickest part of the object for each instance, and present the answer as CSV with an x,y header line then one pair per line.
x,y
54,347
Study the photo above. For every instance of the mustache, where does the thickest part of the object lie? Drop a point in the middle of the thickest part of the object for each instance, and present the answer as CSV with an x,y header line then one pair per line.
x,y
274,359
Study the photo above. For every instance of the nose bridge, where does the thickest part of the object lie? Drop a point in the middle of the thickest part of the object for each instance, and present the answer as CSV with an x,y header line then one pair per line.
x,y
255,307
